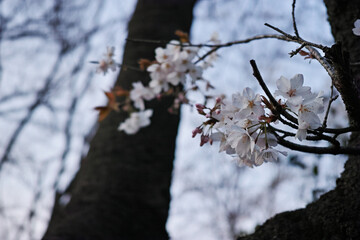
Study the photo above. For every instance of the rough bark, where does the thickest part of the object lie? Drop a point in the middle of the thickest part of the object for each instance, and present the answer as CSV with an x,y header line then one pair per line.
x,y
122,188
336,215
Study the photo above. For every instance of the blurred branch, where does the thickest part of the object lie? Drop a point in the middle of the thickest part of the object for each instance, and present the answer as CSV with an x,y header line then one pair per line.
x,y
41,94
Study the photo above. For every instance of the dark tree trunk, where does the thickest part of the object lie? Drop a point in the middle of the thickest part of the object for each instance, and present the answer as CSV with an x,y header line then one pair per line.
x,y
336,215
122,188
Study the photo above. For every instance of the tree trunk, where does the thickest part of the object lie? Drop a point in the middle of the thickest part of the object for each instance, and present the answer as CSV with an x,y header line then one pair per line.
x,y
122,188
336,215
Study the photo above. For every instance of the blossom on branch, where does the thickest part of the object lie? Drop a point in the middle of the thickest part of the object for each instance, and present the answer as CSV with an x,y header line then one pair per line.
x,y
136,121
240,125
301,101
292,89
107,62
140,93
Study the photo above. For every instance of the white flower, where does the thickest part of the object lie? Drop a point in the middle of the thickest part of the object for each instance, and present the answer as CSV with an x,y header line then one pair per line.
x,y
162,55
266,140
245,161
174,47
175,78
183,62
247,122
250,105
158,75
105,65
302,130
191,52
102,67
268,155
292,89
136,121
308,115
139,93
356,30
241,141
195,72
108,62
219,136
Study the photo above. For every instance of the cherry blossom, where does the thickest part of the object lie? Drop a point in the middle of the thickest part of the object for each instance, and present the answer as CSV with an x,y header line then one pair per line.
x,y
107,62
292,89
268,155
241,141
308,115
136,121
140,93
250,105
242,125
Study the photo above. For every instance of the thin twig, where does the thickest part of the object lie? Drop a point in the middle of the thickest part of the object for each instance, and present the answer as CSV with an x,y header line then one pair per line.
x,y
326,65
293,19
290,124
293,53
297,39
331,100
146,41
122,66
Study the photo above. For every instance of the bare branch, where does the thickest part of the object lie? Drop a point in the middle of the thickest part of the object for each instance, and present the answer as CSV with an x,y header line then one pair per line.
x,y
293,19
326,65
41,94
331,100
317,150
297,39
293,53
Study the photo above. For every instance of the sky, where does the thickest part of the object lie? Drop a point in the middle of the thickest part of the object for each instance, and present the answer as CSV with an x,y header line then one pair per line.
x,y
204,190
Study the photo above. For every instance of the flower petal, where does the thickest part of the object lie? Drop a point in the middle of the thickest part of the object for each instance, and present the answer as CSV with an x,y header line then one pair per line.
x,y
283,84
297,81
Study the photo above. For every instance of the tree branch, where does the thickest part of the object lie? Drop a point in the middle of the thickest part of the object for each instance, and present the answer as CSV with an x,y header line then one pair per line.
x,y
317,150
293,19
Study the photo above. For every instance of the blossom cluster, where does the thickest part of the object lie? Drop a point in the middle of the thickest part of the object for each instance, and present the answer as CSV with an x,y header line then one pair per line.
x,y
107,62
242,125
175,65
300,100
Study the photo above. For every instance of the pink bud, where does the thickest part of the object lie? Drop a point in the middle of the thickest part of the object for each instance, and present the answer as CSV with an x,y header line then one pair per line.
x,y
196,131
207,115
199,106
200,111
204,139
218,100
218,111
